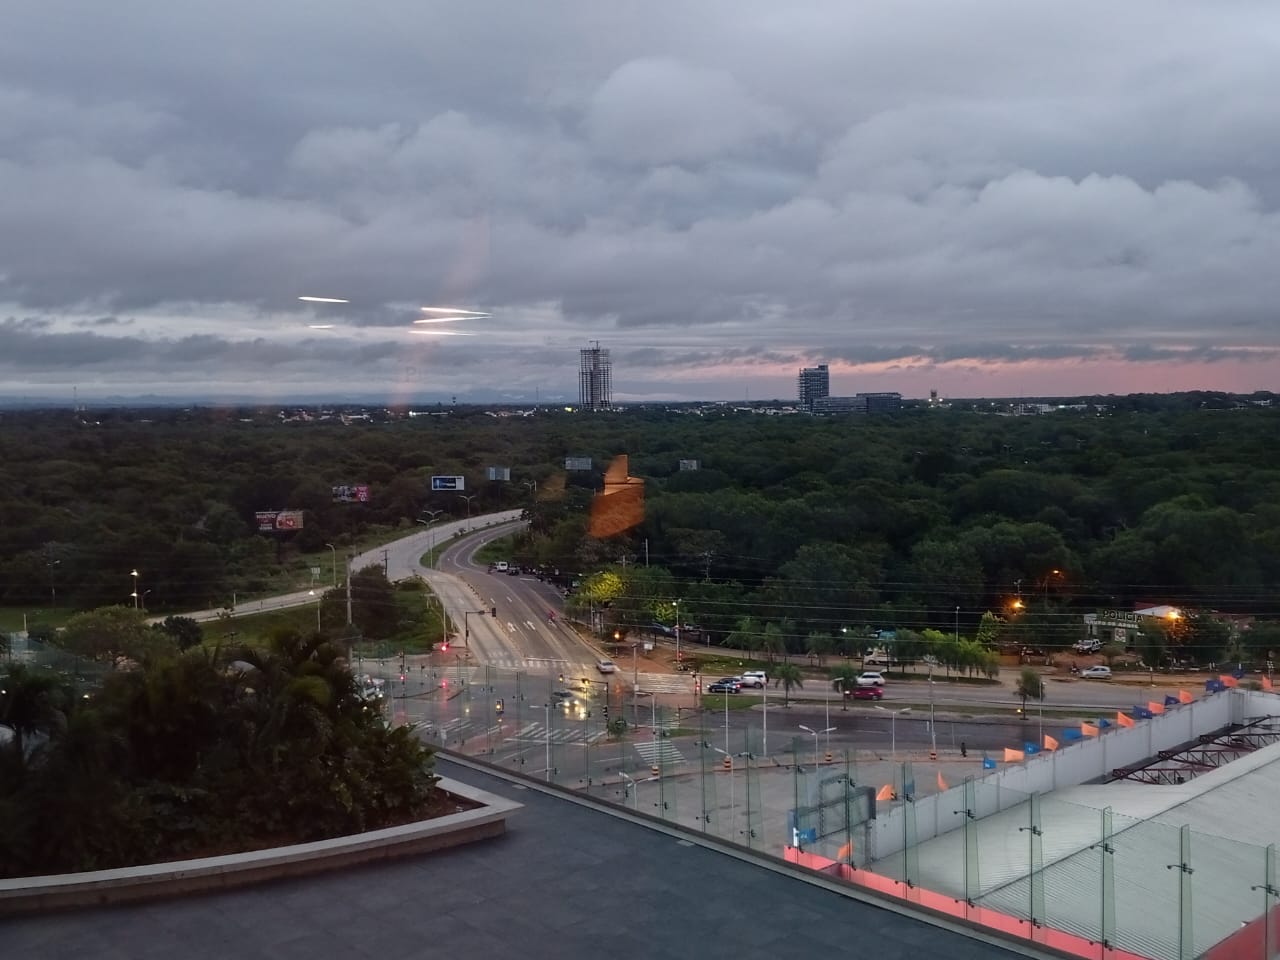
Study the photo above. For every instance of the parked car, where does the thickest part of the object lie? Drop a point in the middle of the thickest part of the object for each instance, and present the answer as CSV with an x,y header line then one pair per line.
x,y
877,658
513,570
871,678
754,678
606,666
1087,646
1096,673
865,693
661,629
500,566
725,685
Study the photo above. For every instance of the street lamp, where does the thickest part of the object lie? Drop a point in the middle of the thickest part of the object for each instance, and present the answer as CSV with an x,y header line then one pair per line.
x,y
466,626
431,534
532,485
816,734
318,599
893,725
334,550
631,789
677,606
468,499
134,573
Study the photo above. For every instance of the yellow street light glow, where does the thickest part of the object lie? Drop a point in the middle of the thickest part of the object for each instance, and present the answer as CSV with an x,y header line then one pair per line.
x,y
323,300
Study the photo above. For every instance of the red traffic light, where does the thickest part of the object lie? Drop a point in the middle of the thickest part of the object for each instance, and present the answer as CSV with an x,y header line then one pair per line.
x,y
445,646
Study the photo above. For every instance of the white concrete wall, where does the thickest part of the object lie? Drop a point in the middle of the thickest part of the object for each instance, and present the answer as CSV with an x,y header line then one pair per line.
x,y
1072,764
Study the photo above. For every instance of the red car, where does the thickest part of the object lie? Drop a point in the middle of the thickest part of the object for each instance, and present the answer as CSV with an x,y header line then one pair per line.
x,y
865,693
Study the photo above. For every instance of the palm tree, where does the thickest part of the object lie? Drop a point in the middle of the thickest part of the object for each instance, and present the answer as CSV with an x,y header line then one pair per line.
x,y
844,678
817,645
773,641
746,635
32,703
788,675
1030,687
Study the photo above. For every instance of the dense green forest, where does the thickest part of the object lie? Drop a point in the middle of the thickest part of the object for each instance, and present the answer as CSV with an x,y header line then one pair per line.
x,y
927,518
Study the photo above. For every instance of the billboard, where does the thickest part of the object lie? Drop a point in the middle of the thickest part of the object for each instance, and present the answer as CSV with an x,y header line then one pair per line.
x,y
275,521
499,473
351,493
448,483
689,464
577,463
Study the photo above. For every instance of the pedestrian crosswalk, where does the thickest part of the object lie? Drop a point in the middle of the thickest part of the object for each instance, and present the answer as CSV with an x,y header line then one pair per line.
x,y
537,733
659,752
665,682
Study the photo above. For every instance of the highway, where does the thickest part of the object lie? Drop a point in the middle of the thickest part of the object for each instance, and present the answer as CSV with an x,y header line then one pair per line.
x,y
521,637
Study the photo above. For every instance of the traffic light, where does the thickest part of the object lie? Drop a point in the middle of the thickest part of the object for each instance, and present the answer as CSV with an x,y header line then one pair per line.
x,y
606,713
498,705
444,647
493,611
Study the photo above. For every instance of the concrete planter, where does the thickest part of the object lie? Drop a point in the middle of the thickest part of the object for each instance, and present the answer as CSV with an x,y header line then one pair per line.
x,y
153,881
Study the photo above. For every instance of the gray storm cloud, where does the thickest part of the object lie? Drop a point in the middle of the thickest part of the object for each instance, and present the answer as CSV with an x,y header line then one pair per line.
x,y
714,188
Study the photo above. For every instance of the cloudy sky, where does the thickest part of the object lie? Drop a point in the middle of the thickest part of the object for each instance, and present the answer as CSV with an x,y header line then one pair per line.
x,y
993,197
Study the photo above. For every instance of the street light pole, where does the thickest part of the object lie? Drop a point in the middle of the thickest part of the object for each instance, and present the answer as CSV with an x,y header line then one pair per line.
x,y
466,626
816,734
677,605
334,550
893,727
546,726
957,624
468,499
134,573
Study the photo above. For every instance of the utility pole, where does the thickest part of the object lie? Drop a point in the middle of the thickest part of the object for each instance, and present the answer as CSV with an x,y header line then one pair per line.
x,y
386,564
348,590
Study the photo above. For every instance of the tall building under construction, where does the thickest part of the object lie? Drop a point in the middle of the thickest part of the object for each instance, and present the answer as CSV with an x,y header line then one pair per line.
x,y
595,381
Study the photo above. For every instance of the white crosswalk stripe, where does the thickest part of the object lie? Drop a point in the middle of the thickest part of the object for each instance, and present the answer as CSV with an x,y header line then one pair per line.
x,y
659,752
537,733
665,682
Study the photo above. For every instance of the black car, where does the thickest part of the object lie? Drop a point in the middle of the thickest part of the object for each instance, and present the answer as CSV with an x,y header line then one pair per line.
x,y
725,685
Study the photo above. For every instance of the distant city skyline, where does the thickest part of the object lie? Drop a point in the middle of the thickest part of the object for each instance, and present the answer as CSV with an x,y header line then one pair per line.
x,y
1003,199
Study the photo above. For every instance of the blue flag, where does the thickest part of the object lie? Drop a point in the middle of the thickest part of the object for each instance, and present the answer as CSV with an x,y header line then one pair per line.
x,y
1170,700
988,763
1030,748
1103,724
1072,735
1141,713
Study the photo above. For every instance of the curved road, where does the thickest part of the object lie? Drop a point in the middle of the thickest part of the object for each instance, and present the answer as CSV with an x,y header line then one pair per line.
x,y
520,636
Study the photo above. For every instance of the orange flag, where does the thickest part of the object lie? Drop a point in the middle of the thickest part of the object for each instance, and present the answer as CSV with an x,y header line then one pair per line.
x,y
1155,707
1184,696
942,784
1124,719
845,853
1089,729
886,792
1228,680
1266,683
1050,743
1013,756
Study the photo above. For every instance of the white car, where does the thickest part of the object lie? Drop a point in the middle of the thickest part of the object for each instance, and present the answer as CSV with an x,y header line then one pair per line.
x,y
606,666
500,566
871,678
1096,673
754,678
